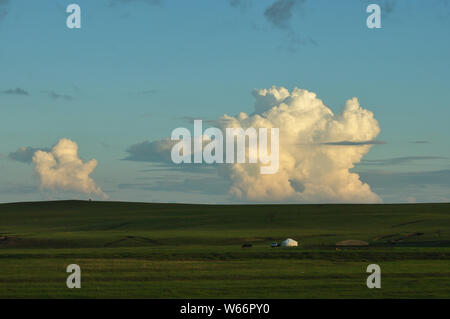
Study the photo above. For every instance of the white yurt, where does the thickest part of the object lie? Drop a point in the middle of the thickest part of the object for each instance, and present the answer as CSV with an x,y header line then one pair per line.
x,y
289,243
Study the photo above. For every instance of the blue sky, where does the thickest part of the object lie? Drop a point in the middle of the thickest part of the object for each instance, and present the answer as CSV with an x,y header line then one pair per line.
x,y
137,69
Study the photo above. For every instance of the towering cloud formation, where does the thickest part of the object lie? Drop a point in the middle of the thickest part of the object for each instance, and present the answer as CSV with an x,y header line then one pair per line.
x,y
62,169
317,149
314,164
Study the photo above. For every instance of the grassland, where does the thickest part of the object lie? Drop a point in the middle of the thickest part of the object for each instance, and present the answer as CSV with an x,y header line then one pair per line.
x,y
136,250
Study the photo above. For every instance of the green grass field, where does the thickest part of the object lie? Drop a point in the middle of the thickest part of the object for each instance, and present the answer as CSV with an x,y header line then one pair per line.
x,y
135,250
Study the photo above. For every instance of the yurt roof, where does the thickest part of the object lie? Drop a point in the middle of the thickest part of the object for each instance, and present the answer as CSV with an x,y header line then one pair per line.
x,y
352,242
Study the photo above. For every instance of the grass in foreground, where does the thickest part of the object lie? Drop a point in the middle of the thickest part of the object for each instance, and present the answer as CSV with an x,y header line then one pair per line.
x,y
130,250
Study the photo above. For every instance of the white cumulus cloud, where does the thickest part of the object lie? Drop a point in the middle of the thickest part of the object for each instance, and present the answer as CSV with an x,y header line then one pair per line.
x,y
314,165
317,150
62,169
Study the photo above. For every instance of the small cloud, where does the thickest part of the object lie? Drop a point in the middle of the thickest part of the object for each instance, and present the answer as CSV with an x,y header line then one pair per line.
x,y
421,142
279,15
56,96
62,169
352,143
25,154
280,12
16,91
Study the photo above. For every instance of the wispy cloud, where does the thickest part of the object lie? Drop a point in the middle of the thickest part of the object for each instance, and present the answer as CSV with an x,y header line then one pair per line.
x,y
16,91
401,160
17,189
421,186
156,151
399,179
205,185
421,142
191,119
352,143
151,2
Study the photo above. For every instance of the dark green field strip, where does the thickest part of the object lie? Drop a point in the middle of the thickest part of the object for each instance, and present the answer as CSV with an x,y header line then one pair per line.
x,y
136,278
372,256
106,216
125,279
270,288
188,237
